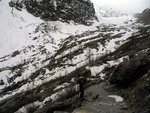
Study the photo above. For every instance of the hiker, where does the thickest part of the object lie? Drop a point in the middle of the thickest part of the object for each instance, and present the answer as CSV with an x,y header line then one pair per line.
x,y
81,82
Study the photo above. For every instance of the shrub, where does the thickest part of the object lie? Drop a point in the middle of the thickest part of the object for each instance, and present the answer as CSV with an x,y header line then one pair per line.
x,y
68,93
1,82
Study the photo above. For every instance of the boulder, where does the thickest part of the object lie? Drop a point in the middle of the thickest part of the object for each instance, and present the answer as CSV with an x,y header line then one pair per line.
x,y
130,70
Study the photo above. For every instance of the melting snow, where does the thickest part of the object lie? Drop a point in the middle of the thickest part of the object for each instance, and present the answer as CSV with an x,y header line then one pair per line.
x,y
117,98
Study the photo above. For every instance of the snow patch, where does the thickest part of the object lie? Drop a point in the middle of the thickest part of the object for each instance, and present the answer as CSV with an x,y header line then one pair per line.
x,y
117,98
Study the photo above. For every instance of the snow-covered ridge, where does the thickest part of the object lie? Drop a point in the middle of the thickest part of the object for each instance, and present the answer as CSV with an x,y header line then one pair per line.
x,y
108,12
28,40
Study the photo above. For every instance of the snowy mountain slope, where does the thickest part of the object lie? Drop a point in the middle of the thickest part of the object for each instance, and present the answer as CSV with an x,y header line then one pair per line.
x,y
29,40
14,27
44,58
73,52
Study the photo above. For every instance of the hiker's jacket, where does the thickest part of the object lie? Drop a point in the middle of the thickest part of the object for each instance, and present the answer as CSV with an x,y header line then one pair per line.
x,y
81,81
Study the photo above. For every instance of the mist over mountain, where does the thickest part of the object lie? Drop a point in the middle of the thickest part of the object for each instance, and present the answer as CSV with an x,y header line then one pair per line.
x,y
108,12
125,6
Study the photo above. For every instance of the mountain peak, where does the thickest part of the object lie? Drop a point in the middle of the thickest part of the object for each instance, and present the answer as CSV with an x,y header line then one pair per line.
x,y
105,11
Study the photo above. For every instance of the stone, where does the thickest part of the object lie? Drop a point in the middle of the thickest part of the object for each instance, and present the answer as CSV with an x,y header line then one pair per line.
x,y
131,70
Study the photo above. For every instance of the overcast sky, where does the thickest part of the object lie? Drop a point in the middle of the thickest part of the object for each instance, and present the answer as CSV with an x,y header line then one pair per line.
x,y
129,6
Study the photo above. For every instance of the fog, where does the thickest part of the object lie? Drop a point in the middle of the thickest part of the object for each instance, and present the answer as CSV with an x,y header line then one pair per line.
x,y
127,6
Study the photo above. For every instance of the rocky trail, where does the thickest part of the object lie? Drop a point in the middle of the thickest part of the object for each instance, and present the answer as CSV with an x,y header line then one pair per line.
x,y
100,100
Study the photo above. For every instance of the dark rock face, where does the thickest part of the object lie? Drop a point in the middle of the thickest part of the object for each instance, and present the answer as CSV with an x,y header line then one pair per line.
x,y
138,94
130,70
144,16
80,11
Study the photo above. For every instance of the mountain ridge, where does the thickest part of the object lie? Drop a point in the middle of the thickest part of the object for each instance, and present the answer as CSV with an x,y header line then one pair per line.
x,y
144,16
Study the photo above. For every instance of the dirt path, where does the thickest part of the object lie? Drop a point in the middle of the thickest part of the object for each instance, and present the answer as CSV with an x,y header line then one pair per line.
x,y
98,100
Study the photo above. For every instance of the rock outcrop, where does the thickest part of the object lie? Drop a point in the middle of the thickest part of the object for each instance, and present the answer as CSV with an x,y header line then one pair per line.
x,y
79,11
144,17
138,94
132,76
130,70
